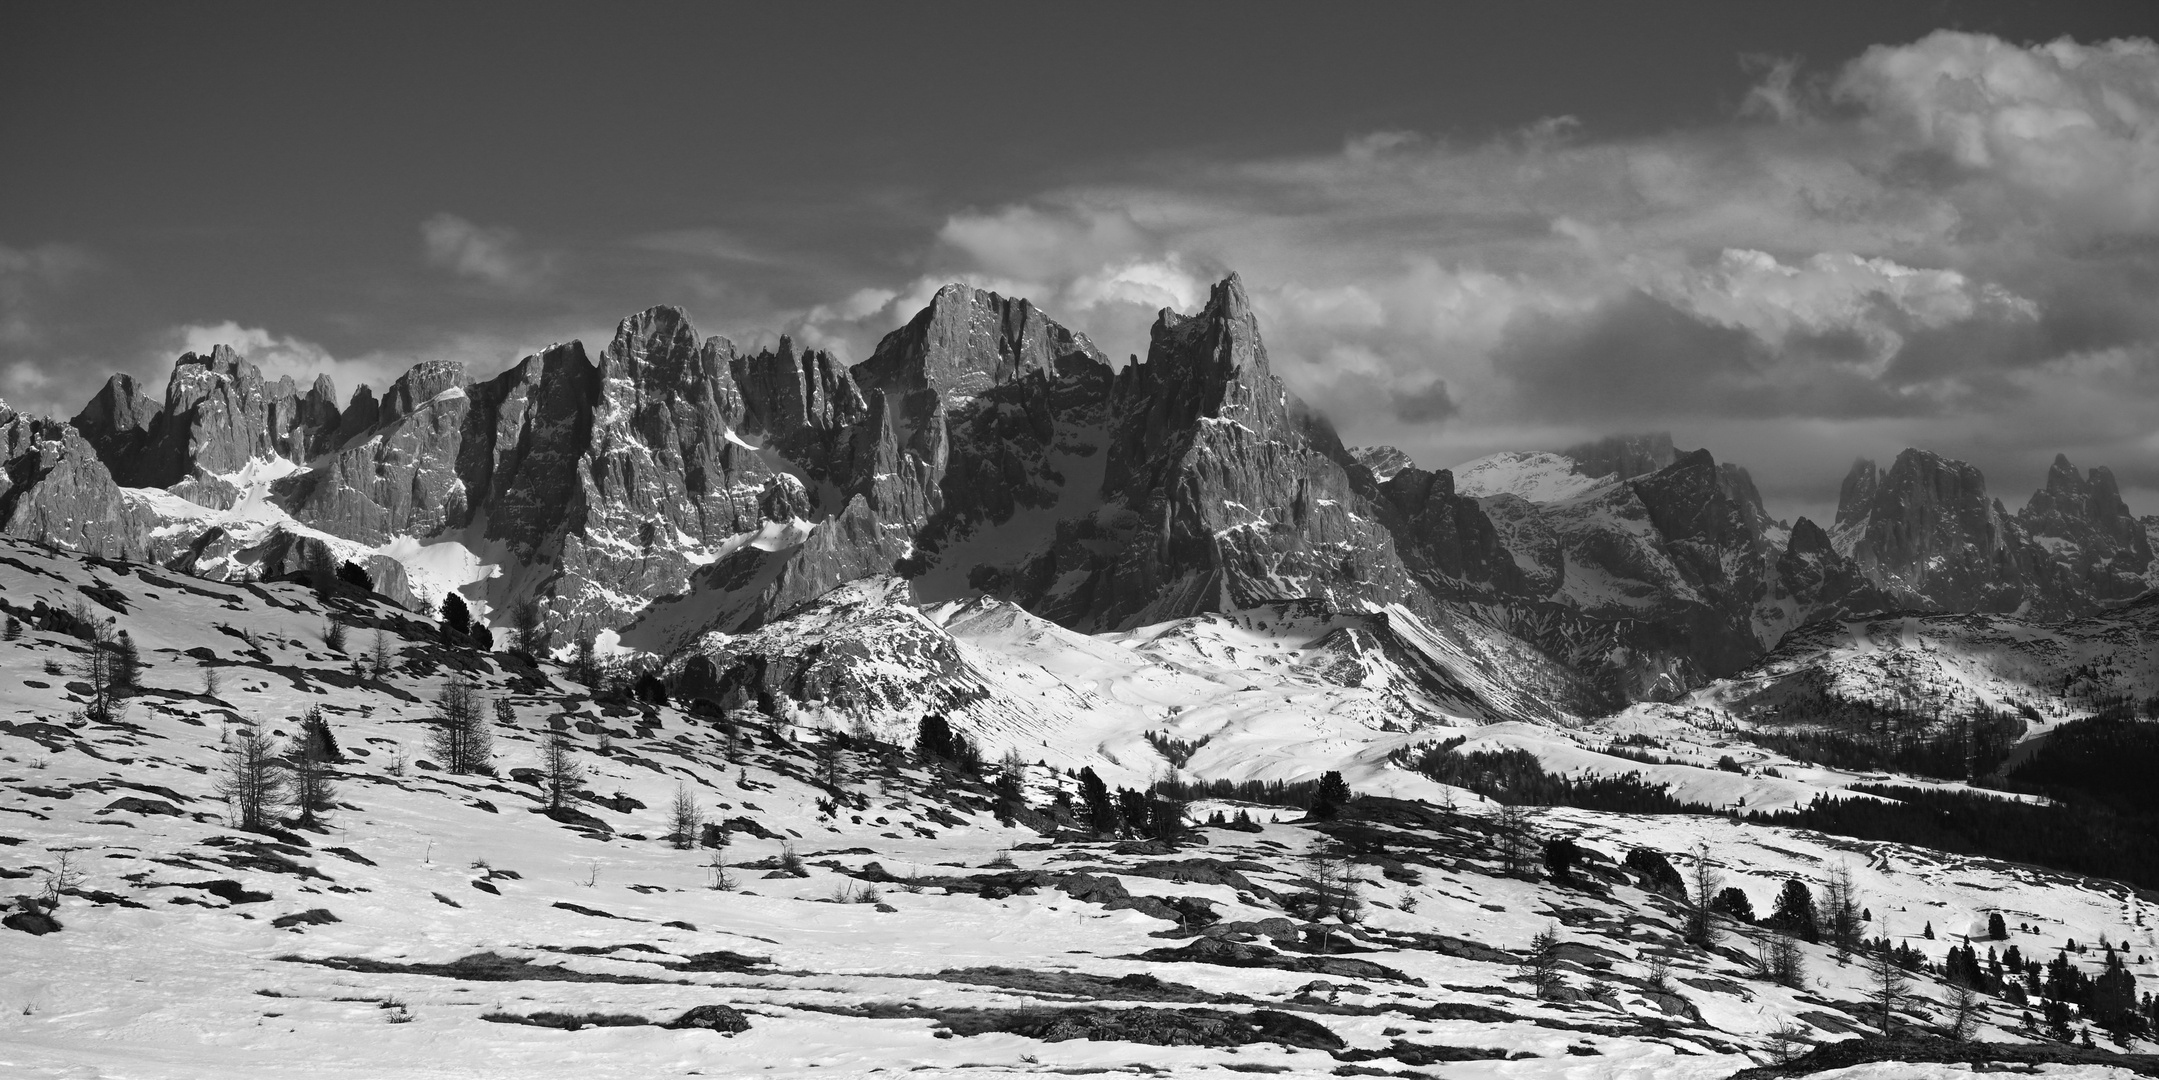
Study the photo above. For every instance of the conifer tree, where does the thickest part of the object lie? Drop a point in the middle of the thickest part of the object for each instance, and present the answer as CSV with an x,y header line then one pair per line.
x,y
456,614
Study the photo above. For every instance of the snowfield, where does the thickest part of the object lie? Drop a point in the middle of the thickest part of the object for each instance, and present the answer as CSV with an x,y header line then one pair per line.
x,y
926,936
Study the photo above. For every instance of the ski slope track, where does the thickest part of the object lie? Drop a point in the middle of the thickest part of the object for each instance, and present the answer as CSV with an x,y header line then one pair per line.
x,y
433,924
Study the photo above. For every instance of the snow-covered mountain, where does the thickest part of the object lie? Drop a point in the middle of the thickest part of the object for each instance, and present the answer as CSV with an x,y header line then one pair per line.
x,y
675,486
1953,666
1258,688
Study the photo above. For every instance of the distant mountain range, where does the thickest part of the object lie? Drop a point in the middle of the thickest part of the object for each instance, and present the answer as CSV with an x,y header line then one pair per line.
x,y
677,487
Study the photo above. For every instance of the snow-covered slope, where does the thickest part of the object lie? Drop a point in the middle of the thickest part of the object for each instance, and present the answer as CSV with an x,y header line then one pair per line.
x,y
1279,691
1954,665
1537,476
409,933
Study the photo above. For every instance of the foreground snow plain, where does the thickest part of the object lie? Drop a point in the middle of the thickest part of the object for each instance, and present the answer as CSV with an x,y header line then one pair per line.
x,y
161,972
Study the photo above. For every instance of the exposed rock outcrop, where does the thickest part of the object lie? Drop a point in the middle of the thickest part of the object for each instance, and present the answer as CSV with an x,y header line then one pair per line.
x,y
54,489
2097,549
1383,461
676,485
118,419
218,416
1218,492
1926,531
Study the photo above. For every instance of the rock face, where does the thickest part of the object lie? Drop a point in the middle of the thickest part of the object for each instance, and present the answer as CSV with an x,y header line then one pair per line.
x,y
1219,492
2097,550
672,486
1927,533
117,420
1382,461
1653,584
218,416
54,489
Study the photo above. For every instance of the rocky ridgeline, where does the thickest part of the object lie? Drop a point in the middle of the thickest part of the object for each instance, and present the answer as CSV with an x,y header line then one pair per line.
x,y
677,485
1668,570
1927,532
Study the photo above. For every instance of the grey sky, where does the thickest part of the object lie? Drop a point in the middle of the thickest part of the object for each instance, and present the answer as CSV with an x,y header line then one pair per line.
x,y
1791,233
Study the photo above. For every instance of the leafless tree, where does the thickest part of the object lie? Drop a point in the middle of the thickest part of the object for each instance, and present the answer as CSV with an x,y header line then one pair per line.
x,y
585,658
1840,910
379,654
1887,985
100,667
1786,1040
1334,883
313,791
1515,837
461,737
1961,1020
526,624
333,634
684,817
64,875
1703,879
1541,964
563,773
1780,956
253,781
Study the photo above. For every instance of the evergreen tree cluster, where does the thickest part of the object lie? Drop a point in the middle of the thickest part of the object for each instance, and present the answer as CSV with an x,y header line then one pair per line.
x,y
1515,776
2064,991
1954,749
1917,732
1656,871
2080,838
935,741
1297,794
1155,813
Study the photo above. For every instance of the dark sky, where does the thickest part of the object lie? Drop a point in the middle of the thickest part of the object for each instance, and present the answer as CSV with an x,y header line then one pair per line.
x,y
358,187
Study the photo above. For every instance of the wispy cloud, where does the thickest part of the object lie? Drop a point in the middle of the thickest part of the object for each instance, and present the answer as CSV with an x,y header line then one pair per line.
x,y
492,256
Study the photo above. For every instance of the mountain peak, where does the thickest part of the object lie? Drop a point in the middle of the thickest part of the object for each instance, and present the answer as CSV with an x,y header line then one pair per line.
x,y
1384,461
967,340
1227,299
1858,489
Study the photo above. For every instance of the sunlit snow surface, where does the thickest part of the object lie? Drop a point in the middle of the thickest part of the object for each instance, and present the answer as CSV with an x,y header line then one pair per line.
x,y
189,986
1535,476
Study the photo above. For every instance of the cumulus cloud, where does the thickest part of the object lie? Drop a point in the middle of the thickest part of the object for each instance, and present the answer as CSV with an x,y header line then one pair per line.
x,y
1922,239
2073,128
491,256
1832,296
276,355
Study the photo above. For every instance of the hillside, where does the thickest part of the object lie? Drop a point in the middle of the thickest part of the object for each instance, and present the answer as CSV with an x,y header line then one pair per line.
x,y
431,913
